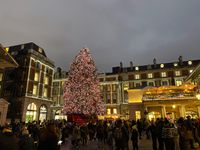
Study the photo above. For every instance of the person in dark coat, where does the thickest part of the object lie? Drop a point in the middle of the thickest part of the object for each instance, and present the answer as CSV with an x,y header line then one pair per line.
x,y
8,141
153,132
26,142
134,137
48,138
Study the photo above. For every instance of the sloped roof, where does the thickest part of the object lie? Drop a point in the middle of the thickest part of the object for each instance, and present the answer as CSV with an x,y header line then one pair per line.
x,y
6,60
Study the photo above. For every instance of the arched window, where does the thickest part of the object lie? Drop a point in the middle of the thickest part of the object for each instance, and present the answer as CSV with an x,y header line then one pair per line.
x,y
31,112
43,113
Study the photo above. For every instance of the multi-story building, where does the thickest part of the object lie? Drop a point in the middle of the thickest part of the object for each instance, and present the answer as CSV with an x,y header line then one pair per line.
x,y
6,61
58,84
125,89
28,88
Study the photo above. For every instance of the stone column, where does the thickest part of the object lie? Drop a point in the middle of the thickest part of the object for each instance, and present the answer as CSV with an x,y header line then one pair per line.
x,y
182,111
163,110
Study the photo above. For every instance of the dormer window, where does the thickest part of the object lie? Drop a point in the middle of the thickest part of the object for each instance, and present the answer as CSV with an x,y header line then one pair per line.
x,y
161,65
163,74
150,75
177,73
136,68
189,62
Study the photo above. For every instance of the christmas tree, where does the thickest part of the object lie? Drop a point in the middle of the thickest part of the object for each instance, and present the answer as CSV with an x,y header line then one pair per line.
x,y
82,90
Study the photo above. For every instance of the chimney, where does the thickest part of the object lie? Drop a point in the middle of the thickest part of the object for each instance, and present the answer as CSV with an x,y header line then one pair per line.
x,y
180,60
131,65
121,66
154,62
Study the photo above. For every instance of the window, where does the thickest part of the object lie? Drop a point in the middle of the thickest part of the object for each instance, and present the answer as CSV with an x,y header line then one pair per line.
x,y
151,83
108,87
101,88
108,111
31,112
108,99
137,76
191,71
114,97
36,77
179,82
37,65
163,74
34,89
1,76
46,80
137,115
161,65
43,113
40,50
114,111
137,84
126,86
164,82
150,75
45,92
177,73
113,87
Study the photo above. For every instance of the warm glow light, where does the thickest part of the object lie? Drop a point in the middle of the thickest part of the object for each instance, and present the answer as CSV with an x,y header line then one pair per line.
x,y
173,106
198,96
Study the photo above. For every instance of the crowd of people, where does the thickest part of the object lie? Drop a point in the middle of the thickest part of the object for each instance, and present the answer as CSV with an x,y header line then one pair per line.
x,y
49,135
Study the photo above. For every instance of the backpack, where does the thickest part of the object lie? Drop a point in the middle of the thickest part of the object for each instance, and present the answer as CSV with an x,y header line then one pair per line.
x,y
118,133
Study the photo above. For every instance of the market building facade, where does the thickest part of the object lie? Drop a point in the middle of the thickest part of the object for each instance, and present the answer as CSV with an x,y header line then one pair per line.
x,y
125,90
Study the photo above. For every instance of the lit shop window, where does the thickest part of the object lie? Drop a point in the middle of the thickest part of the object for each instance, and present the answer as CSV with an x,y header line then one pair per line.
x,y
114,111
137,76
34,89
36,77
137,115
31,112
179,82
163,74
150,75
177,73
108,111
126,86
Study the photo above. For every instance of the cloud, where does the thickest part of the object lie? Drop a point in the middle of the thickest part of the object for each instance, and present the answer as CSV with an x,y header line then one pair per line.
x,y
114,30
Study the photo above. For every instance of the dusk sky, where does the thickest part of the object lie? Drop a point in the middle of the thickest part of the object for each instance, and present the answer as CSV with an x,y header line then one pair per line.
x,y
113,30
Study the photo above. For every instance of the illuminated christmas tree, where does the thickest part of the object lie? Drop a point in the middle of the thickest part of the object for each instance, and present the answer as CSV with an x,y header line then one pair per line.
x,y
82,90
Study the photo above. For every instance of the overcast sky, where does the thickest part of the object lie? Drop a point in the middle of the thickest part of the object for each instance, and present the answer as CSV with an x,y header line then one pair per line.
x,y
113,30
